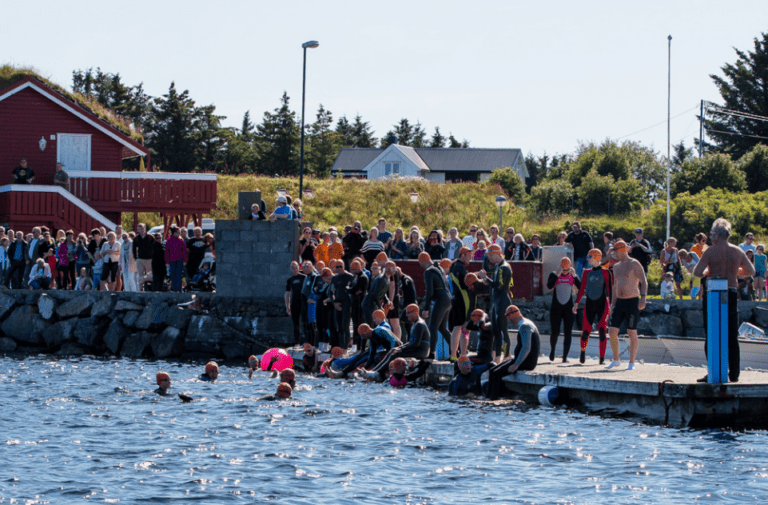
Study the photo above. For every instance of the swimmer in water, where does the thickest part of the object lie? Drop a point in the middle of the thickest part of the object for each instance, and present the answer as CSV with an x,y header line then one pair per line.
x,y
310,360
164,381
253,365
288,376
283,391
466,377
211,372
400,376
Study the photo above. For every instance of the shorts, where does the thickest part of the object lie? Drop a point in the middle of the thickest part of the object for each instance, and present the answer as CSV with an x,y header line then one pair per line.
x,y
626,309
109,271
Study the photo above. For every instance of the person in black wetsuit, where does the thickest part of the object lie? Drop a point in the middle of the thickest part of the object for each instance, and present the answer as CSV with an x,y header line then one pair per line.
x,y
466,378
479,321
562,282
381,336
309,302
211,372
408,290
437,301
597,283
164,383
283,391
417,346
310,361
499,284
525,355
376,297
400,376
325,311
463,297
357,290
293,300
395,300
342,304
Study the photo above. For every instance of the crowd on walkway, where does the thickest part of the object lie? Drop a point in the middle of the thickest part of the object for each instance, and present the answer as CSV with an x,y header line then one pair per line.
x,y
106,260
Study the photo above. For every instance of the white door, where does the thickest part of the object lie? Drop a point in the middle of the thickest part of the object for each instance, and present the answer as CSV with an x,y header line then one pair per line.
x,y
74,151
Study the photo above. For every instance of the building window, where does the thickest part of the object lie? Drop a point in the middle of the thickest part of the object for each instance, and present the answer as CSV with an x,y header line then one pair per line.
x,y
391,168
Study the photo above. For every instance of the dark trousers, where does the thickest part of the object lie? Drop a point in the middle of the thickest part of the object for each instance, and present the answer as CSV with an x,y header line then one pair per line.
x,y
495,376
158,278
343,319
357,320
499,325
561,313
15,273
734,353
438,322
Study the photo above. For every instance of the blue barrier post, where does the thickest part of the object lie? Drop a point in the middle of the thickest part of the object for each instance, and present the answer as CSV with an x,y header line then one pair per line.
x,y
717,330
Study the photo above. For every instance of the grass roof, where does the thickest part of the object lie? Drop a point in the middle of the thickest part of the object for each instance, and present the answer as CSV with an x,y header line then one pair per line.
x,y
10,75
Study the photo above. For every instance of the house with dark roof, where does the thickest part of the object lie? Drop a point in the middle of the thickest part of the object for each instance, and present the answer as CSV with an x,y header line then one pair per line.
x,y
434,164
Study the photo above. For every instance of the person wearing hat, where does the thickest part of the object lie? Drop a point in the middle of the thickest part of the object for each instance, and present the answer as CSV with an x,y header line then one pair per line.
x,y
498,283
293,300
309,302
211,372
395,300
283,392
463,297
437,301
417,346
253,365
581,243
382,341
627,300
596,283
310,360
164,383
342,304
378,294
282,211
641,250
481,323
525,355
400,376
562,283
466,377
325,311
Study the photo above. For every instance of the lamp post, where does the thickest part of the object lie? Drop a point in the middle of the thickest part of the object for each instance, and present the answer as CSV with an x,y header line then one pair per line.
x,y
501,202
669,103
305,45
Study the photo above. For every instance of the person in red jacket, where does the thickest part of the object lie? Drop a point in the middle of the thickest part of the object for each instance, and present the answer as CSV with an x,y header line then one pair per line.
x,y
596,282
175,257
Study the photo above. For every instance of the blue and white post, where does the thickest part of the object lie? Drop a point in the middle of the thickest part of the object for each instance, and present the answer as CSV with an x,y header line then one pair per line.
x,y
717,330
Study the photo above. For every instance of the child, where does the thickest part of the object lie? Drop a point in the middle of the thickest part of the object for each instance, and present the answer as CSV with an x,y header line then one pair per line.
x,y
670,262
84,282
668,287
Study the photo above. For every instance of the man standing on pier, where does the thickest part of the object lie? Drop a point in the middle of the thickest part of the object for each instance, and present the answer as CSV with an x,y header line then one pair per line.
x,y
628,299
725,260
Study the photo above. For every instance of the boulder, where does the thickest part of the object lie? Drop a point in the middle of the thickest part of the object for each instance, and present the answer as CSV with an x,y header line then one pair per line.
x,y
6,304
178,317
77,307
89,331
115,336
695,332
46,306
21,325
761,317
168,343
125,305
662,324
693,319
71,349
745,313
152,316
236,346
130,317
204,334
104,306
60,332
7,344
135,344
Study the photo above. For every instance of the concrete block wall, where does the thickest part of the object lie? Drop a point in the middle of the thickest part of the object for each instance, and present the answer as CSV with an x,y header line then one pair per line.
x,y
253,257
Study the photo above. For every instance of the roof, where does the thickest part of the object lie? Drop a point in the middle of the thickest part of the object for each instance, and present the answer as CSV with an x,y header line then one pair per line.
x,y
71,107
435,159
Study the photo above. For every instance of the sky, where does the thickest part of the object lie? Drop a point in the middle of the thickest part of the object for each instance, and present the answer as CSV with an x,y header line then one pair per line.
x,y
539,76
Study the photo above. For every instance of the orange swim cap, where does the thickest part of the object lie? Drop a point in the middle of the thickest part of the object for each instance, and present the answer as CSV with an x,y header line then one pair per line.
x,y
161,376
445,263
379,314
382,256
596,254
463,359
619,245
363,329
424,257
337,352
211,366
398,363
494,249
287,374
253,362
465,250
284,390
307,347
477,315
470,278
412,308
565,262
512,309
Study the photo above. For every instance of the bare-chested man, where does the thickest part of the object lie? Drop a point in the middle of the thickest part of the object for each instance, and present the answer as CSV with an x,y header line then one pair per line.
x,y
723,259
628,299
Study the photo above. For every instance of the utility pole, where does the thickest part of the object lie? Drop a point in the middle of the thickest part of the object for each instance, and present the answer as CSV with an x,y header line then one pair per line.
x,y
669,104
701,128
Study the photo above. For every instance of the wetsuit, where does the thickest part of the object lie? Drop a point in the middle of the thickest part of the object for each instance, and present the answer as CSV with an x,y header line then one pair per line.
x,y
381,336
408,290
400,380
376,297
325,312
396,299
417,347
342,335
310,363
463,384
161,392
206,378
526,355
309,310
437,301
293,286
357,290
484,340
499,284
462,299
596,283
562,310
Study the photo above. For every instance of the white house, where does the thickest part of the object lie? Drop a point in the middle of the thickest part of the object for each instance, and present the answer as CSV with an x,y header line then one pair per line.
x,y
435,164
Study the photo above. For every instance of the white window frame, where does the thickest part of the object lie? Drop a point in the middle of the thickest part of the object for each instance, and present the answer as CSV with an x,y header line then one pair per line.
x,y
90,146
391,164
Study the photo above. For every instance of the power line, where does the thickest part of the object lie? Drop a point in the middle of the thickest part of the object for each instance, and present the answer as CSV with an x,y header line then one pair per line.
x,y
728,112
657,124
739,134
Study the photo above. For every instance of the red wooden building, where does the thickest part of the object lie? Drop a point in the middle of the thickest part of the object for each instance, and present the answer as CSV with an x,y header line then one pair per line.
x,y
46,127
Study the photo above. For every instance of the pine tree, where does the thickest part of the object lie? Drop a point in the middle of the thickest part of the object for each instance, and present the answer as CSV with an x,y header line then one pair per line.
x,y
171,133
322,144
437,139
452,142
362,133
279,149
419,136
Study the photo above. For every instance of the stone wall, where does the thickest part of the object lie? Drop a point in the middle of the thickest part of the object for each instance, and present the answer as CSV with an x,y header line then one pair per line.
x,y
252,257
140,325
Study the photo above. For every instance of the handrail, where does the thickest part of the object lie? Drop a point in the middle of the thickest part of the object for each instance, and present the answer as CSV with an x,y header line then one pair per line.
x,y
164,176
93,213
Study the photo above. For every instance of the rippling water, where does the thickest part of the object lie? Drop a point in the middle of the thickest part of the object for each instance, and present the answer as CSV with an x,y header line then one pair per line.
x,y
88,429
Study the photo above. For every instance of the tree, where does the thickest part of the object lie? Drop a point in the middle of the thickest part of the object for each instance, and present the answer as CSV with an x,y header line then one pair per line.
x,y
357,134
403,131
437,139
246,130
551,196
510,182
754,164
593,195
108,90
533,171
681,154
744,89
323,144
279,133
172,132
452,142
713,171
419,136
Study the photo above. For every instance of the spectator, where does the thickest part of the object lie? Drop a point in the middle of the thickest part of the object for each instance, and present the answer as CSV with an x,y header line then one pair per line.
x,y
143,246
94,253
760,264
481,235
453,245
175,258
434,246
668,287
23,174
83,259
670,262
384,236
701,245
33,252
60,178
398,249
296,211
197,248
495,237
536,249
5,262
414,245
747,245
110,254
128,263
306,248
520,250
581,243
640,249
560,241
48,253
84,282
480,251
353,242
67,261
40,275
282,211
158,263
210,242
689,261
372,247
17,252
469,240
257,214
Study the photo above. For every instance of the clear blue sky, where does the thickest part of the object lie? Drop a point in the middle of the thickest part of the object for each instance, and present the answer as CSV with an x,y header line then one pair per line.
x,y
531,75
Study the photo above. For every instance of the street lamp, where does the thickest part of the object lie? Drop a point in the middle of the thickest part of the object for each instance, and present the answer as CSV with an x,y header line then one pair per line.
x,y
501,202
305,45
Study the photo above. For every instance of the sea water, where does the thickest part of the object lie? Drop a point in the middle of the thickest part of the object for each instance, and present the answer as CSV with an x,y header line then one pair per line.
x,y
91,430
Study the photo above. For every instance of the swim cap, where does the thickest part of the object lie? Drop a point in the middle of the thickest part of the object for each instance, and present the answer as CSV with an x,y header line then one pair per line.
x,y
294,264
398,363
424,257
445,263
619,245
596,254
464,359
470,278
382,256
161,376
379,314
465,250
477,315
326,272
337,352
253,362
512,309
211,366
565,262
287,374
412,308
307,347
363,329
494,249
320,265
284,390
